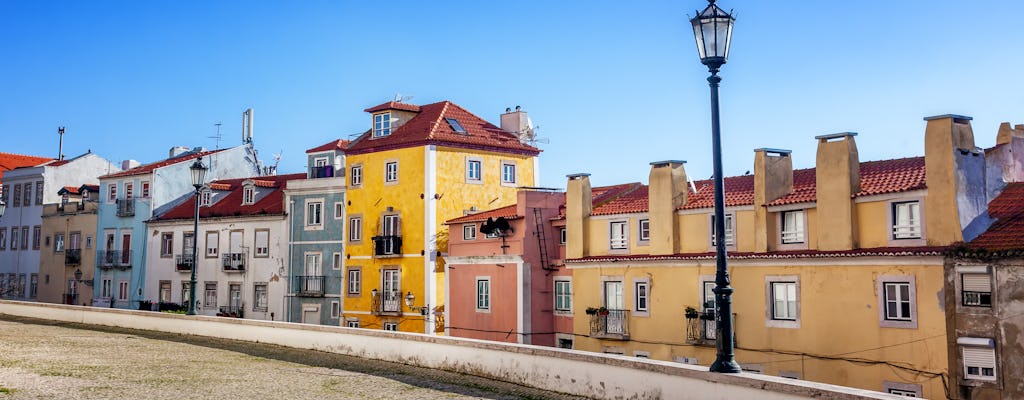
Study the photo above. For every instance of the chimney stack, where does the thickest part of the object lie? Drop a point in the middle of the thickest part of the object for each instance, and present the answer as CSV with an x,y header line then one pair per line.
x,y
947,138
515,121
667,191
837,180
578,203
773,179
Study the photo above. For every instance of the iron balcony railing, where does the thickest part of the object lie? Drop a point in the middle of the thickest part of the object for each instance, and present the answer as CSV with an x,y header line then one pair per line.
x,y
234,262
183,262
114,258
325,171
610,324
125,207
387,245
309,285
387,302
703,329
72,256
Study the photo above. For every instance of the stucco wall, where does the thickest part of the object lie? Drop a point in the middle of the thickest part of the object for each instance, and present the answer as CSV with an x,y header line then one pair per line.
x,y
591,375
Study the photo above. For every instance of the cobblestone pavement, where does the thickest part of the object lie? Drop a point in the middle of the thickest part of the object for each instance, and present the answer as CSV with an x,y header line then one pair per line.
x,y
49,360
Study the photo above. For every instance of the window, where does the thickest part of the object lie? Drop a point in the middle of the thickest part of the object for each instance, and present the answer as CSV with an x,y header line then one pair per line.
x,y
212,242
165,291
145,189
122,291
17,196
391,172
248,195
565,342
88,242
792,227
166,244
14,238
644,231
314,213
355,280
24,238
563,296
456,126
39,193
205,198
129,190
352,323
111,192
74,240
617,236
28,195
784,300
381,124
262,244
642,296
21,285
474,169
897,301
105,288
979,362
508,173
335,309
33,288
613,295
729,236
901,392
336,264
355,229
339,210
483,293
37,235
185,293
906,220
561,236
391,326
391,225
3,238
468,232
976,289
211,294
260,296
4,190
357,175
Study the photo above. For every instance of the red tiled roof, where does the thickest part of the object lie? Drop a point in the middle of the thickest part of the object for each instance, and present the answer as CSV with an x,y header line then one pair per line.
x,y
91,188
869,252
601,195
739,190
332,145
631,200
9,161
144,169
68,190
1007,233
58,163
429,127
393,105
508,212
231,205
219,186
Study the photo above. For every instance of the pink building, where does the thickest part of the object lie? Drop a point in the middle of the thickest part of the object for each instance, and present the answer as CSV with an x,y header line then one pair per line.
x,y
511,285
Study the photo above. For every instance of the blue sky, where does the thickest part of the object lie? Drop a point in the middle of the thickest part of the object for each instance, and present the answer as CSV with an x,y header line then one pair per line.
x,y
614,85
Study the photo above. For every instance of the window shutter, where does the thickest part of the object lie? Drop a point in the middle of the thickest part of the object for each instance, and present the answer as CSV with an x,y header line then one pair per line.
x,y
979,357
977,283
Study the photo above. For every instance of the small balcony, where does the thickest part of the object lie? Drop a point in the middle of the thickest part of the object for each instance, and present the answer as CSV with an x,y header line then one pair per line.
x,y
701,329
234,262
386,302
387,245
107,259
72,257
126,207
325,171
610,324
309,285
183,262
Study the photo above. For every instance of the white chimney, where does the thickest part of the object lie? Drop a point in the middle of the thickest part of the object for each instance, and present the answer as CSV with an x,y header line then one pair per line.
x,y
129,164
177,151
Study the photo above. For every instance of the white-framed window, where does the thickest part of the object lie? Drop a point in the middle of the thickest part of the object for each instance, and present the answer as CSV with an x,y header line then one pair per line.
x,y
111,193
28,194
58,242
563,295
355,280
508,173
248,195
979,361
730,237
335,309
106,287
33,282
212,244
792,227
145,189
784,301
356,178
976,289
339,210
468,232
618,238
185,293
39,194
211,295
314,214
205,197
260,297
166,244
352,323
474,170
165,291
643,230
122,291
565,341
562,236
381,124
391,172
262,243
37,236
483,294
129,190
3,238
642,296
902,389
355,229
906,220
391,326
897,296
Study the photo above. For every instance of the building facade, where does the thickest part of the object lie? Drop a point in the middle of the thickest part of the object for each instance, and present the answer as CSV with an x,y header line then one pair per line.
x,y
837,269
417,167
129,198
68,255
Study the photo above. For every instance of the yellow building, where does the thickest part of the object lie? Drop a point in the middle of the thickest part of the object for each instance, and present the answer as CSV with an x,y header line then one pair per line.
x,y
68,255
417,167
838,269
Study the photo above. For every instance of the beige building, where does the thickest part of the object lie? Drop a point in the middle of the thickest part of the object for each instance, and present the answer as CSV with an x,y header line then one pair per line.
x,y
67,256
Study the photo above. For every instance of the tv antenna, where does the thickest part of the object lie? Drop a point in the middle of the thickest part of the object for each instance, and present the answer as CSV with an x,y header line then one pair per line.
x,y
529,134
401,99
216,137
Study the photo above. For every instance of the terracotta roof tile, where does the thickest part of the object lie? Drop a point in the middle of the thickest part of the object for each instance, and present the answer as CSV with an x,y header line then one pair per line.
x,y
1007,233
429,127
739,190
508,212
868,252
631,200
91,188
145,169
69,190
9,161
393,105
332,145
231,205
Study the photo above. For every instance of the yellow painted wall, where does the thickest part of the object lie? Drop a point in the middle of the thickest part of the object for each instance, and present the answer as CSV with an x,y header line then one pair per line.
x,y
873,224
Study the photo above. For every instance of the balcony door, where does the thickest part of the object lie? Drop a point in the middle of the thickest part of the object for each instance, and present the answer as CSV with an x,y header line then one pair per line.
x,y
235,244
126,246
390,290
75,241
235,297
613,295
313,264
188,240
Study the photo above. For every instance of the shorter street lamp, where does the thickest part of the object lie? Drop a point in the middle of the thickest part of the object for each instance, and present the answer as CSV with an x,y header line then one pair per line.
x,y
198,177
410,298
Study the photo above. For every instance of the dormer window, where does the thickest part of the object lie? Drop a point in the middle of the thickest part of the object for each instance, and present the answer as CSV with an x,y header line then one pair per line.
x,y
85,194
205,197
906,220
456,126
381,124
248,195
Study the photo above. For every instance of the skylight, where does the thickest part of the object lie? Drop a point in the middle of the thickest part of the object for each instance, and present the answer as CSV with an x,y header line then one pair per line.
x,y
456,126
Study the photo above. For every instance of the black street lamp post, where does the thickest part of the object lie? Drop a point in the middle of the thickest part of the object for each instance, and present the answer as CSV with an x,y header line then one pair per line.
x,y
198,177
713,30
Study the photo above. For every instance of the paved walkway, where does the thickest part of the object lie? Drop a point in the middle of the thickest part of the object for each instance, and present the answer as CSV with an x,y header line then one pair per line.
x,y
44,360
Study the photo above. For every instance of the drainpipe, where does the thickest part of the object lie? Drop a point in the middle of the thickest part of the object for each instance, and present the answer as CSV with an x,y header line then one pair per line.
x,y
291,248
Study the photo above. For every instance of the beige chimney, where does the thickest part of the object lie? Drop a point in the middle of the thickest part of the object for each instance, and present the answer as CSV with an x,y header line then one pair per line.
x,y
578,204
837,180
515,121
943,136
773,178
1006,133
666,192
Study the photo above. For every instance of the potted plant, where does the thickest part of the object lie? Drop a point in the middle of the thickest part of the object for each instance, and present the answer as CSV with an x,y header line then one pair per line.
x,y
691,313
602,311
591,311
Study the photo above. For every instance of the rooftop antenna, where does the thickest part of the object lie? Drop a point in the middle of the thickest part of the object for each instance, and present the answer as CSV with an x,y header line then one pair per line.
x,y
401,99
247,126
216,137
529,134
60,145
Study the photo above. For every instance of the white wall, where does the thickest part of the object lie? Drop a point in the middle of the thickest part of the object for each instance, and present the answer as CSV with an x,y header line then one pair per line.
x,y
568,371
